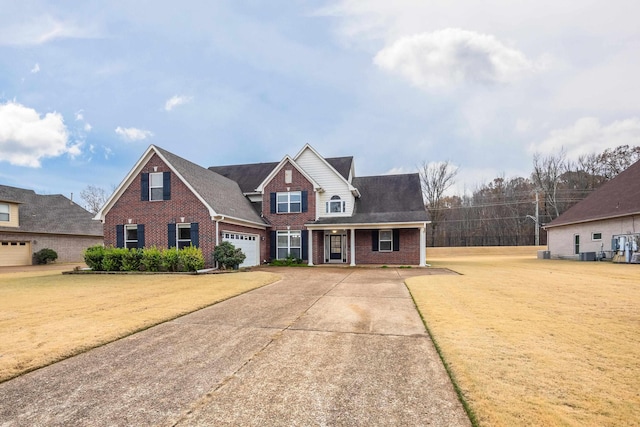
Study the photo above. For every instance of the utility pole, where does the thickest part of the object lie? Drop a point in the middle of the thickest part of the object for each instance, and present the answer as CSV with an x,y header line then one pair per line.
x,y
536,220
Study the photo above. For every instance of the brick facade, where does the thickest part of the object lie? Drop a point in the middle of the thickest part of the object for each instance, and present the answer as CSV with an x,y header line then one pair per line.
x,y
68,248
183,207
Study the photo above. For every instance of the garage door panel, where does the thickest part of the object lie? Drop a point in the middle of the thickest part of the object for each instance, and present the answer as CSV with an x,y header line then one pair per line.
x,y
249,244
15,253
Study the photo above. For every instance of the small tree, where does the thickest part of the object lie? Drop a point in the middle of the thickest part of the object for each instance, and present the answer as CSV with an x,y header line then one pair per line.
x,y
436,178
45,256
228,256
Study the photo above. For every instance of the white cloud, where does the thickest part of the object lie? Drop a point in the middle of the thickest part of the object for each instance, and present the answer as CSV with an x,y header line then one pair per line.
x,y
42,29
451,57
26,138
133,134
80,115
587,136
176,100
35,69
87,127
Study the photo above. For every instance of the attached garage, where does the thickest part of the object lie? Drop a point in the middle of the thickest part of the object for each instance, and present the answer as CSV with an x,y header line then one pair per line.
x,y
249,244
15,253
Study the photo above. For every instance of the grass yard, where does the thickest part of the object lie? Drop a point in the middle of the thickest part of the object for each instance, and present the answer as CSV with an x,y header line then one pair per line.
x,y
538,342
46,316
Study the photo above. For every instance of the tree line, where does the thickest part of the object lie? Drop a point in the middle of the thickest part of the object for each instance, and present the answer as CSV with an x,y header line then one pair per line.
x,y
511,211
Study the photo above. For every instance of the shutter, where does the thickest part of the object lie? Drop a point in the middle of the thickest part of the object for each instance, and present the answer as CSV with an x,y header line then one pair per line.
x,y
195,234
144,187
305,245
375,240
305,204
272,245
141,235
344,206
326,207
273,202
120,236
396,239
171,233
166,186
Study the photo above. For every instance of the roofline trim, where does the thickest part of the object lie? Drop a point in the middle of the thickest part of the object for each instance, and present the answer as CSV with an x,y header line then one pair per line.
x,y
367,225
238,221
353,190
584,221
277,169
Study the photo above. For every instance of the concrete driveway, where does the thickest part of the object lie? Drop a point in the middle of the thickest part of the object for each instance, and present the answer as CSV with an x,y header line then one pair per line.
x,y
322,347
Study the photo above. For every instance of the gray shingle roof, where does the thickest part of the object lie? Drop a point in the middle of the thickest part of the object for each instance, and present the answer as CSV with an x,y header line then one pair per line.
x,y
50,214
250,176
386,198
617,197
221,193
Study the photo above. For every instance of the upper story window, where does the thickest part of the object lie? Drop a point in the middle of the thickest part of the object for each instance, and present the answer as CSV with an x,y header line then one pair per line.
x,y
289,202
386,240
156,186
4,212
336,205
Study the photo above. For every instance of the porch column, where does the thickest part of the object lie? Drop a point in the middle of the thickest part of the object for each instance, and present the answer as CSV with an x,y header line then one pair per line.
x,y
423,246
353,247
310,247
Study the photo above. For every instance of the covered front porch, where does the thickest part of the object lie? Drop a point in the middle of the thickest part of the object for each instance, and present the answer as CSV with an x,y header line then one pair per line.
x,y
349,244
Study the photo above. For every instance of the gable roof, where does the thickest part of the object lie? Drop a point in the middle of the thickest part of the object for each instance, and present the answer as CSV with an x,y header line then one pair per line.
x,y
615,198
50,214
250,176
219,194
385,199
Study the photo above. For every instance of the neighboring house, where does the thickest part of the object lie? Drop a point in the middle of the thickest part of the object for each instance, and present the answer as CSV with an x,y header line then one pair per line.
x,y
30,222
305,206
607,221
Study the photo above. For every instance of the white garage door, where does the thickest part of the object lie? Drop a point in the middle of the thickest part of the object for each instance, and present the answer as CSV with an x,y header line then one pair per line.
x,y
248,243
15,253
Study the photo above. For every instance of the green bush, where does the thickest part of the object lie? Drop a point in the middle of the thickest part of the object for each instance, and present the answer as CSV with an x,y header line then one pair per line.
x,y
113,258
93,257
228,256
170,259
289,261
151,259
131,260
45,256
191,259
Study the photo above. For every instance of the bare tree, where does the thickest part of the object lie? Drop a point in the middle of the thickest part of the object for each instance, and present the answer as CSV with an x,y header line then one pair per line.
x,y
94,198
547,173
436,179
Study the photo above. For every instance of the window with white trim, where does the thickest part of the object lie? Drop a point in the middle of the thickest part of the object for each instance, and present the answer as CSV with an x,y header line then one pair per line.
x,y
385,241
289,243
156,186
596,236
183,238
5,212
131,236
336,205
289,202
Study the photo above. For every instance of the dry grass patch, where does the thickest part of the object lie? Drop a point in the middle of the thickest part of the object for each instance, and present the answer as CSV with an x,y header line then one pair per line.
x,y
538,342
47,316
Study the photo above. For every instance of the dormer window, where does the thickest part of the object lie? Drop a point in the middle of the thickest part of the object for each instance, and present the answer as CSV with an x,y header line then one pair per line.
x,y
336,205
4,212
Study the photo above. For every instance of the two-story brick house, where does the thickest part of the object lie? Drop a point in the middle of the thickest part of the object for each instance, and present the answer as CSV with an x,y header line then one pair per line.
x,y
304,206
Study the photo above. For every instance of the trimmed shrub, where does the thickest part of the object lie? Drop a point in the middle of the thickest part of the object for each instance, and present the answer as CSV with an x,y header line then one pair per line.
x,y
45,256
113,258
131,260
289,261
170,259
228,256
191,259
93,257
151,259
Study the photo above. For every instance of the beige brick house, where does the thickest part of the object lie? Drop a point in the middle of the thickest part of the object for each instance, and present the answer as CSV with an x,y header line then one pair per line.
x,y
30,222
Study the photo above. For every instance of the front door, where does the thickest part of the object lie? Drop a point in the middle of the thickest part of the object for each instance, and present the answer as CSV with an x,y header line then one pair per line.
x,y
335,247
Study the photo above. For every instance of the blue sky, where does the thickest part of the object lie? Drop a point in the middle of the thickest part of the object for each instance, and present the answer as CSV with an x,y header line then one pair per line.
x,y
85,87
